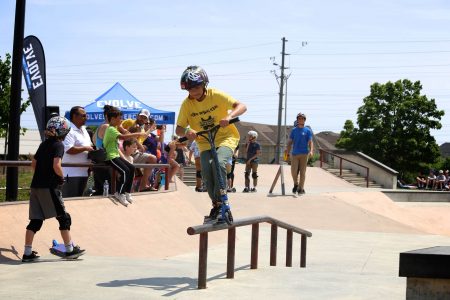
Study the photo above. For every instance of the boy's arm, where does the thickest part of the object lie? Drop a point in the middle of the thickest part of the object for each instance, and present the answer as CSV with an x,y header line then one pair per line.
x,y
57,167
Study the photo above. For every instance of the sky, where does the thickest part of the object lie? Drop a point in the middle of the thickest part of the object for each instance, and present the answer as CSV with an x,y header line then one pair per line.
x,y
337,49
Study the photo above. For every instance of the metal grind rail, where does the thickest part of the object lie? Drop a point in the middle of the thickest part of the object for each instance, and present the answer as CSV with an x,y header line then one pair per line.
x,y
203,231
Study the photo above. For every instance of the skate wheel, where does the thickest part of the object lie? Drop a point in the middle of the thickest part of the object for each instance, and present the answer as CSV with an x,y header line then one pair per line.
x,y
228,217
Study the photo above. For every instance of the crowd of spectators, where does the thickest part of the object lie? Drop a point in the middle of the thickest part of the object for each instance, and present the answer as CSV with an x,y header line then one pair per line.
x,y
139,141
435,180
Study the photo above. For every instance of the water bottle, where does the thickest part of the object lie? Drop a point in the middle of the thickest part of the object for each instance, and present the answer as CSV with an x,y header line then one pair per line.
x,y
105,189
163,180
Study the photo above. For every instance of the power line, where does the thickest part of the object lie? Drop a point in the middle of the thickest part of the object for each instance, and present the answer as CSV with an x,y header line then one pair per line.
x,y
162,57
373,53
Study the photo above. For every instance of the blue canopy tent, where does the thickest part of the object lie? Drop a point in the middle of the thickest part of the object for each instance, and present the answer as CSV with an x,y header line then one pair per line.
x,y
119,97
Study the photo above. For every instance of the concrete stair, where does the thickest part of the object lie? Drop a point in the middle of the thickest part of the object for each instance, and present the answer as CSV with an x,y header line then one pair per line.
x,y
189,175
353,177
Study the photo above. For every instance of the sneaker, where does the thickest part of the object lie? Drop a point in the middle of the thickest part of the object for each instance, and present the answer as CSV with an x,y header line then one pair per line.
x,y
31,257
246,190
76,252
294,190
121,198
128,197
213,214
253,190
301,191
197,189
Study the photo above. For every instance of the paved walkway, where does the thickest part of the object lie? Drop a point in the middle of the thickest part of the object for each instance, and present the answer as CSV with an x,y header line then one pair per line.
x,y
143,251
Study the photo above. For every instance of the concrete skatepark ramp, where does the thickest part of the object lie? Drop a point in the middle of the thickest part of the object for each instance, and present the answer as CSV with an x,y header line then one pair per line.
x,y
143,251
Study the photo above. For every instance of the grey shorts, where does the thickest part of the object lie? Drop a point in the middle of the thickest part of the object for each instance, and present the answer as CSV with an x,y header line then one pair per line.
x,y
46,203
140,157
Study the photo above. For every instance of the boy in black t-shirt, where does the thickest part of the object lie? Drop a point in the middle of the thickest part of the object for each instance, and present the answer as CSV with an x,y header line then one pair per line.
x,y
45,193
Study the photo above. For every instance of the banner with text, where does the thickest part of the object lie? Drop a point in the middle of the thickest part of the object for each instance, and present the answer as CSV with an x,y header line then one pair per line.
x,y
33,67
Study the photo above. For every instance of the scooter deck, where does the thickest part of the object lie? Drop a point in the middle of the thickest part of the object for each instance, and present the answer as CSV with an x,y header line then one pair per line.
x,y
60,251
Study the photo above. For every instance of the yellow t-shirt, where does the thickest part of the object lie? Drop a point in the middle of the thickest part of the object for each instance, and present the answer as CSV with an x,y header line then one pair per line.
x,y
126,124
207,113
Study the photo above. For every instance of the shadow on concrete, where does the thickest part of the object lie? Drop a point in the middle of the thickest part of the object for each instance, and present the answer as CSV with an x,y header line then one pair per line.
x,y
173,285
9,261
281,195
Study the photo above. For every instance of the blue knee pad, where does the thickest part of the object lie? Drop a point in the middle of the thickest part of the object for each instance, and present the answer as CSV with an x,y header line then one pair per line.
x,y
247,175
64,221
198,174
35,225
255,175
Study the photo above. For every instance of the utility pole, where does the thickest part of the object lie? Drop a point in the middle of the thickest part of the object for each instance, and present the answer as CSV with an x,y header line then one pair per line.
x,y
280,104
12,174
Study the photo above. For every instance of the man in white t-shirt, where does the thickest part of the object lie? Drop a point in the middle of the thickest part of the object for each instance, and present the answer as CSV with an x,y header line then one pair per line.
x,y
77,145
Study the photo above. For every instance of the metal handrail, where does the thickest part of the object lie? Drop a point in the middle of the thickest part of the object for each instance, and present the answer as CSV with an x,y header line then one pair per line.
x,y
340,164
27,163
203,230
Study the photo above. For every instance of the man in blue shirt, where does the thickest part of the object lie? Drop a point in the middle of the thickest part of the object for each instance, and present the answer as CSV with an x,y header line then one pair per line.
x,y
300,140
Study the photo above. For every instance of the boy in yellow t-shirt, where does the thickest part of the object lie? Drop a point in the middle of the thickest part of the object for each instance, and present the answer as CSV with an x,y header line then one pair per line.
x,y
202,109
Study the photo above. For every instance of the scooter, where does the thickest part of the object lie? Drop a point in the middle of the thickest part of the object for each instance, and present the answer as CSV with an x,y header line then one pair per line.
x,y
225,209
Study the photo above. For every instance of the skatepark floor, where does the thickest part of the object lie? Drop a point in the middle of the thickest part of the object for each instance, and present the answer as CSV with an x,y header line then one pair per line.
x,y
143,251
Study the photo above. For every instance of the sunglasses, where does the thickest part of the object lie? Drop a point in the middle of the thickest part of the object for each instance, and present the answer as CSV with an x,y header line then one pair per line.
x,y
82,115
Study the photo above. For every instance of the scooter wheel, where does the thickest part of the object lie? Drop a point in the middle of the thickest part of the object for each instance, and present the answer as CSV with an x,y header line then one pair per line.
x,y
228,217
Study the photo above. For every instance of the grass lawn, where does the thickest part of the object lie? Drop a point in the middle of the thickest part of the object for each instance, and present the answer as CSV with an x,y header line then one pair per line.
x,y
25,176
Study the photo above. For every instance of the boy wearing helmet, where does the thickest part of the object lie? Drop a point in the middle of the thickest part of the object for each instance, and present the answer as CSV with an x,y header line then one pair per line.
x,y
301,140
45,192
202,109
253,152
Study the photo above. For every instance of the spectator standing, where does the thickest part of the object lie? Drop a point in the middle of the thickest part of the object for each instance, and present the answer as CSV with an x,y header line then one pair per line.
x,y
77,144
300,140
141,157
253,152
45,192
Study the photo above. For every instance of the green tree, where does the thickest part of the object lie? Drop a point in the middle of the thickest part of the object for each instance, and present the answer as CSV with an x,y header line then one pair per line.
x,y
394,126
5,92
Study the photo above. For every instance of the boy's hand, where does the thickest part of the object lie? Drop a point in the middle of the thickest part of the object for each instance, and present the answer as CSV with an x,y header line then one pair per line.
x,y
60,180
191,134
224,122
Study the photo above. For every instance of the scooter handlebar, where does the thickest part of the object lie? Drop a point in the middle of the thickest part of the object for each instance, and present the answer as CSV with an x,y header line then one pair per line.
x,y
234,120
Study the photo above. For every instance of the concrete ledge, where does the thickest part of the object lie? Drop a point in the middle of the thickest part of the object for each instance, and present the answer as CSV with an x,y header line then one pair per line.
x,y
431,262
417,196
428,273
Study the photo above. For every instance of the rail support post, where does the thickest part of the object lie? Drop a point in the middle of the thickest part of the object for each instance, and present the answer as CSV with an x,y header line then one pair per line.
x,y
273,244
303,252
254,251
202,260
231,252
289,235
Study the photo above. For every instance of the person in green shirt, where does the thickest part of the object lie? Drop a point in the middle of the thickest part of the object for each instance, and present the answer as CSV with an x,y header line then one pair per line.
x,y
115,158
